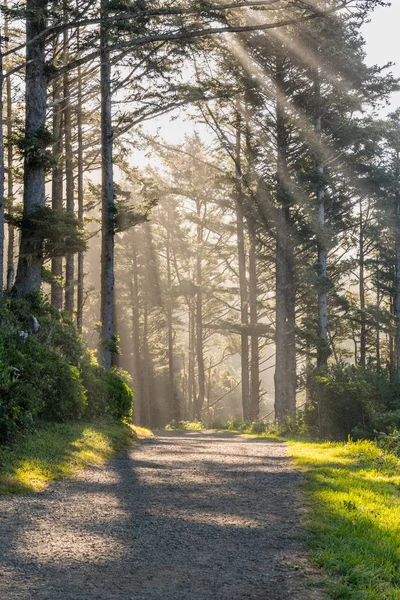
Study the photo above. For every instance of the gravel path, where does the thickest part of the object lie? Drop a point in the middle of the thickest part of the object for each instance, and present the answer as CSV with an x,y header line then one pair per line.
x,y
186,516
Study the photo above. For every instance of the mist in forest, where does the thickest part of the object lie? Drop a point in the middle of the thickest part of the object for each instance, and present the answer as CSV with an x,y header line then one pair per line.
x,y
226,273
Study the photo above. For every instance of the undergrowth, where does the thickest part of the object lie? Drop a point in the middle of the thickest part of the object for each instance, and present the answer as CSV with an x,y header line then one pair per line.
x,y
186,425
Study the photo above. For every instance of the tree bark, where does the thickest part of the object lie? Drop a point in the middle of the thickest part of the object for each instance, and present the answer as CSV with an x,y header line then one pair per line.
x,y
137,376
244,304
378,332
323,347
397,267
108,204
191,361
363,326
285,323
10,169
255,352
29,273
174,403
80,198
69,181
57,191
199,318
1,171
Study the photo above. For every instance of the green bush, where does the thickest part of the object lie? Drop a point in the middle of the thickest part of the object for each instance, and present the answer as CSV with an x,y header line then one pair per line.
x,y
185,425
120,397
107,393
236,425
351,400
46,373
258,427
55,329
19,404
57,384
93,379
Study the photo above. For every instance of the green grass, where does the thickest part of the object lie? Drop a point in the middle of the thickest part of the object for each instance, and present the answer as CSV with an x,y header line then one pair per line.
x,y
59,450
354,516
185,425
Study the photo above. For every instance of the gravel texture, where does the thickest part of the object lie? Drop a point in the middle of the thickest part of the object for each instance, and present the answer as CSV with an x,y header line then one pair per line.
x,y
185,516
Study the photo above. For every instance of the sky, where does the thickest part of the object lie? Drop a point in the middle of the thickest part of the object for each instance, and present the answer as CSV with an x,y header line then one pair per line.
x,y
382,39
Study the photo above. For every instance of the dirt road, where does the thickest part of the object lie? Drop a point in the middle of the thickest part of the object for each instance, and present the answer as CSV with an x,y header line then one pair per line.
x,y
187,516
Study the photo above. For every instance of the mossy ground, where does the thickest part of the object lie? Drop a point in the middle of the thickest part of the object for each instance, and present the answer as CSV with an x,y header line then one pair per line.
x,y
55,451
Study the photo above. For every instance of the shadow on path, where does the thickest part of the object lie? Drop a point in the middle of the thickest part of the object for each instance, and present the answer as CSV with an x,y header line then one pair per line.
x,y
189,516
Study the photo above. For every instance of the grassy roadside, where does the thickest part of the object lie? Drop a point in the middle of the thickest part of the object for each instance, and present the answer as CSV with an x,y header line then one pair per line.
x,y
354,516
58,450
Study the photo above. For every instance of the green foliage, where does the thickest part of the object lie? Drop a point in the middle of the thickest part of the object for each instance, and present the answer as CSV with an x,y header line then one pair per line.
x,y
51,385
351,400
185,425
390,442
46,373
93,378
236,425
55,330
107,393
35,149
354,516
53,232
120,397
258,427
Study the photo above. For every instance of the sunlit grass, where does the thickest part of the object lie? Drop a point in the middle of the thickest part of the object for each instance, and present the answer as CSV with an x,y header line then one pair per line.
x,y
59,450
354,516
141,432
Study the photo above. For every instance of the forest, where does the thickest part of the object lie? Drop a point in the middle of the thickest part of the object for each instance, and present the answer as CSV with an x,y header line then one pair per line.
x,y
251,273
200,237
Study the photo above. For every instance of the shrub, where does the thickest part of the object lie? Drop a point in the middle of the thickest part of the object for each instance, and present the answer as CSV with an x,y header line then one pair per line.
x,y
236,425
185,425
351,400
57,384
19,404
93,379
107,393
258,427
46,372
55,330
120,397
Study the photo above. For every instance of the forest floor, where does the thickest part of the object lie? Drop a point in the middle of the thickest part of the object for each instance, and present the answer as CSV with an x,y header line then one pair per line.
x,y
184,516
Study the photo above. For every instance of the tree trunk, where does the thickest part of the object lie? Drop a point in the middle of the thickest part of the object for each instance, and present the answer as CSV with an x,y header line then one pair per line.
x,y
57,191
397,274
363,327
137,375
10,167
378,332
244,305
255,353
285,361
199,319
108,204
147,374
69,181
1,171
80,198
29,273
174,404
323,347
191,361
